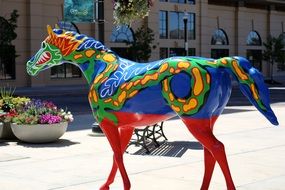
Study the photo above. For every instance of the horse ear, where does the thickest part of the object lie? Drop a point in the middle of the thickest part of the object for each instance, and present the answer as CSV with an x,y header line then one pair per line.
x,y
49,30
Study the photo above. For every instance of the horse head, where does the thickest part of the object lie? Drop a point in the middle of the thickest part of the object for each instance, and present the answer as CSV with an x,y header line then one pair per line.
x,y
47,56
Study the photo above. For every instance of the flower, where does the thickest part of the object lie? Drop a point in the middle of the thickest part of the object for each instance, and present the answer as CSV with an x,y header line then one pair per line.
x,y
126,11
37,111
50,119
9,104
8,101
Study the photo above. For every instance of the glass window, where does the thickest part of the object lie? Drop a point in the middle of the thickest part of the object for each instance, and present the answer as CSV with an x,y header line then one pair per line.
x,y
65,71
181,52
180,1
163,24
219,53
176,25
219,38
7,50
176,52
122,34
191,26
192,52
253,39
7,62
163,53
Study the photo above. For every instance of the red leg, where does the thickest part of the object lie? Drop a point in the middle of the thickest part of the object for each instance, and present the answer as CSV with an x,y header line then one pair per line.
x,y
202,131
112,133
125,136
209,162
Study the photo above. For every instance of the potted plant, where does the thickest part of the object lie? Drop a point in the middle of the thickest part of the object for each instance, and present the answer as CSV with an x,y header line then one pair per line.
x,y
39,121
8,104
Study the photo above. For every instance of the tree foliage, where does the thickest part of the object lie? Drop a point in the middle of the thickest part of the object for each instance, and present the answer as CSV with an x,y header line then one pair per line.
x,y
141,46
274,51
7,28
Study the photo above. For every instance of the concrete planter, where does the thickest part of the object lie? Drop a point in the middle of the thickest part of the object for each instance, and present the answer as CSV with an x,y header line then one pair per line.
x,y
6,132
39,133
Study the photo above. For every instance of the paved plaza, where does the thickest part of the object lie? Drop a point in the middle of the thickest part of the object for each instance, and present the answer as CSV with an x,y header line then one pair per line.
x,y
81,161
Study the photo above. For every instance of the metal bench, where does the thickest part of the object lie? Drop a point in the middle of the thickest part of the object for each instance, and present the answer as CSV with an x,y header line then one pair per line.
x,y
148,136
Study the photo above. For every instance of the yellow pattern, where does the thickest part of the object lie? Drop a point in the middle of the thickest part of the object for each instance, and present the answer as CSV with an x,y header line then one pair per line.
x,y
89,53
198,82
191,105
109,58
239,71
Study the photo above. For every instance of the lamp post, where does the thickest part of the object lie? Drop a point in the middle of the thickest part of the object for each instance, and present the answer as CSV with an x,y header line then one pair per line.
x,y
185,20
96,130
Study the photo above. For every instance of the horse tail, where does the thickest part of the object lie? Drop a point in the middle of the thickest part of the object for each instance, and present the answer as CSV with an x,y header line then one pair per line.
x,y
251,83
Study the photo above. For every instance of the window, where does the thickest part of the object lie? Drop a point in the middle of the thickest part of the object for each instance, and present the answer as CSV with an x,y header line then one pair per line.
x,y
176,25
66,70
219,38
163,24
219,53
7,51
180,1
255,57
7,62
192,52
122,34
253,39
163,53
181,52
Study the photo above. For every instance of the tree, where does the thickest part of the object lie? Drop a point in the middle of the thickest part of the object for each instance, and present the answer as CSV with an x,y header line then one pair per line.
x,y
141,46
274,52
8,27
7,49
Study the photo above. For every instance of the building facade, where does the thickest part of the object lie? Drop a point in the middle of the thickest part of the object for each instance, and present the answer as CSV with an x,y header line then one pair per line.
x,y
214,29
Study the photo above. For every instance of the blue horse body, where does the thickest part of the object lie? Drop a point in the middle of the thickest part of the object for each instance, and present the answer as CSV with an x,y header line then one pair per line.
x,y
216,101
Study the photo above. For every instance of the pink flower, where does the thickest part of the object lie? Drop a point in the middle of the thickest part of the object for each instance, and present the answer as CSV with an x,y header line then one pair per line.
x,y
50,119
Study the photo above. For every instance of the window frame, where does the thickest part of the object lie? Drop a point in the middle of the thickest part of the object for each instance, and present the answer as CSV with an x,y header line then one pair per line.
x,y
163,21
191,25
250,41
216,33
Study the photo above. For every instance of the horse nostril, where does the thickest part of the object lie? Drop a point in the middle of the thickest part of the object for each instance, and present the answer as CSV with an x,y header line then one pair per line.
x,y
31,60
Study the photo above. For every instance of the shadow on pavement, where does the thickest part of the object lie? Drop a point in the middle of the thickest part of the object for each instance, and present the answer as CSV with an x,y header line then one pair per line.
x,y
57,144
170,149
2,143
228,111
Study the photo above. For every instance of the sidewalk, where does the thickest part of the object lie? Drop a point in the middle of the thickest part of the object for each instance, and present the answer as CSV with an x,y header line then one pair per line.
x,y
80,161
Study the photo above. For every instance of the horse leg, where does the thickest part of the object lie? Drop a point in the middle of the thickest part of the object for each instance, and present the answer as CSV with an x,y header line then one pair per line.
x,y
125,136
112,133
209,164
201,129
209,161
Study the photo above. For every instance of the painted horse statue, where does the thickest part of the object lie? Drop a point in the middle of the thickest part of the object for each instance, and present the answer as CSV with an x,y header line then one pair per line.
x,y
125,94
